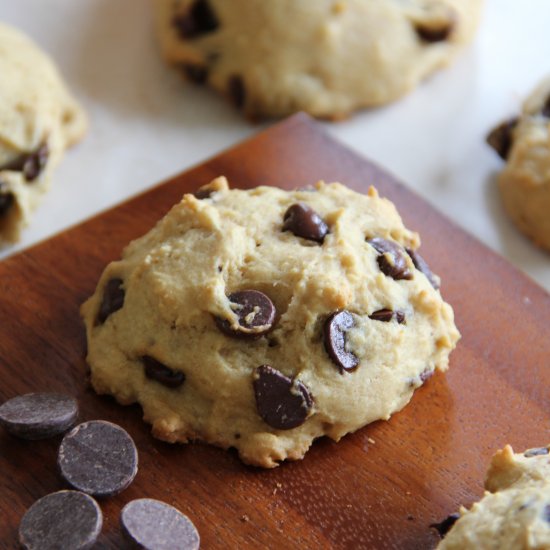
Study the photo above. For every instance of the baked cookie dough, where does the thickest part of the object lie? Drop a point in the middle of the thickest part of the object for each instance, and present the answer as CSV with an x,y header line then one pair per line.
x,y
514,514
524,183
325,57
263,319
38,121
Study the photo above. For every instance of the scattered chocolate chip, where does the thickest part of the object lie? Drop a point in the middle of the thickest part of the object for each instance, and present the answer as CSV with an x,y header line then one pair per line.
x,y
545,111
66,519
426,374
434,33
391,259
202,194
31,164
255,315
6,199
334,332
546,513
304,222
236,91
38,415
98,458
538,451
166,376
154,525
445,526
386,315
422,266
197,21
195,73
113,300
282,402
500,138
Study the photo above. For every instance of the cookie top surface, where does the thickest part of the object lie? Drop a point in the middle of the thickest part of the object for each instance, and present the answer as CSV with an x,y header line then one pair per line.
x,y
240,322
275,58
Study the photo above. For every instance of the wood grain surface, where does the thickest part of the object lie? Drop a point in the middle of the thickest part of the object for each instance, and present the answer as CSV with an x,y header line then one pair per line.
x,y
378,488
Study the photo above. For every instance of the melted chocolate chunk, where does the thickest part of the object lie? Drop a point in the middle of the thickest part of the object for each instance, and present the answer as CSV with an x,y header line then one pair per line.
x,y
199,20
500,138
334,333
255,315
538,451
433,34
391,259
31,164
304,222
545,111
420,264
38,415
236,91
166,376
113,300
386,315
282,402
149,523
66,519
6,199
445,526
195,73
98,458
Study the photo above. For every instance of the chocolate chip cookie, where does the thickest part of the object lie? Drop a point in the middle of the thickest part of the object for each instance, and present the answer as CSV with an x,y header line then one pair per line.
x,y
263,319
515,511
524,183
38,121
327,57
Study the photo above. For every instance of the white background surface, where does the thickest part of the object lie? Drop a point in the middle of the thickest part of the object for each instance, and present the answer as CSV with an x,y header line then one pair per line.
x,y
146,124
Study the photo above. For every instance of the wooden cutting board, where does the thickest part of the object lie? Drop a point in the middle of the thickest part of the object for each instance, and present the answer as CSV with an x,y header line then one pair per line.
x,y
378,488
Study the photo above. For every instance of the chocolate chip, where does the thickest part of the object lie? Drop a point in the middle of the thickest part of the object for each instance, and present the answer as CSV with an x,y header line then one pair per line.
x,y
98,458
444,527
546,513
426,374
282,402
66,519
236,91
434,33
6,199
391,259
304,222
166,376
255,315
501,137
31,164
423,267
538,451
197,21
386,315
545,111
155,525
202,194
334,332
195,73
113,300
38,415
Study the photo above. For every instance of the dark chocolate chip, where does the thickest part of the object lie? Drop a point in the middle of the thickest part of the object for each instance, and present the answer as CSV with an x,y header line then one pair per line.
x,y
304,222
334,332
546,513
98,458
391,259
420,264
202,194
6,199
538,451
426,374
236,91
195,73
155,525
386,315
437,33
113,300
282,402
501,139
38,415
445,526
31,164
166,376
197,21
66,519
545,111
255,315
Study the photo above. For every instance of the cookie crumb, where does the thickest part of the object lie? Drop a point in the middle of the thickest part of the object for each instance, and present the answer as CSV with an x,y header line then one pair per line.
x,y
245,518
371,440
